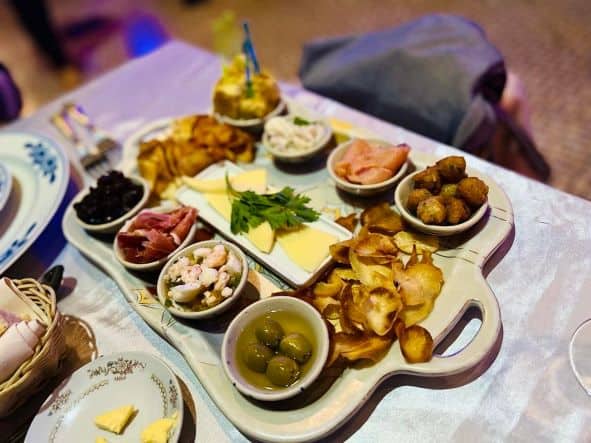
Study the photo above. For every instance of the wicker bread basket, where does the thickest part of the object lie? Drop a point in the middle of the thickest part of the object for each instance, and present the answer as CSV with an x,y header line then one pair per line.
x,y
32,374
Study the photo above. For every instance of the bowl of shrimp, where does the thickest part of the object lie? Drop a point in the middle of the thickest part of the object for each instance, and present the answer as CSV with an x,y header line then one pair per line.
x,y
203,279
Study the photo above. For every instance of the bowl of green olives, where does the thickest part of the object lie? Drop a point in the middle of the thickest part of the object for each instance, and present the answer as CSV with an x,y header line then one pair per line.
x,y
275,348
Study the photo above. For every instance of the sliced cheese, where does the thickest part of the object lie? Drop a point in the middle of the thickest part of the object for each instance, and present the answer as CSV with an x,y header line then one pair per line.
x,y
255,180
307,246
157,432
101,440
262,236
115,420
220,201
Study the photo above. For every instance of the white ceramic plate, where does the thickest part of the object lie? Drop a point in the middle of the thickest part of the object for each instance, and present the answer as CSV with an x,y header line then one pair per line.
x,y
107,383
38,167
277,260
5,185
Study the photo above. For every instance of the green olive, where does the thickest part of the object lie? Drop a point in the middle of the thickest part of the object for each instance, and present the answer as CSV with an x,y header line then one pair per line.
x,y
269,332
256,356
296,346
282,371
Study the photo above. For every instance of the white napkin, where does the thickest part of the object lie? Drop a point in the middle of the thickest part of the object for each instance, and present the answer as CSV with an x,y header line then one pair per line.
x,y
17,344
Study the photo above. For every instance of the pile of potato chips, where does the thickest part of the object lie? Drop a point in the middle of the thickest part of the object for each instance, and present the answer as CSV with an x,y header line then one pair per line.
x,y
377,293
195,142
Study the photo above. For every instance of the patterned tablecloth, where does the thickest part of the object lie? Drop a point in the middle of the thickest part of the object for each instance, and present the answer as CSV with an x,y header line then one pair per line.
x,y
540,276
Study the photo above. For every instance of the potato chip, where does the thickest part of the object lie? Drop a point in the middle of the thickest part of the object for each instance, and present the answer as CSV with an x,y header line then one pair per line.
x,y
412,315
359,347
193,144
348,222
371,274
375,245
416,344
340,251
328,289
405,241
382,219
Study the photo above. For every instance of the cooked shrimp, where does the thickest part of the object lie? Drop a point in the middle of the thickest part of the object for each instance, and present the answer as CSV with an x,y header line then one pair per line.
x,y
201,252
208,276
223,279
233,265
217,257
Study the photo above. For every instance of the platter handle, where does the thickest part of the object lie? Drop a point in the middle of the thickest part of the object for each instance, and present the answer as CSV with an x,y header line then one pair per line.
x,y
473,353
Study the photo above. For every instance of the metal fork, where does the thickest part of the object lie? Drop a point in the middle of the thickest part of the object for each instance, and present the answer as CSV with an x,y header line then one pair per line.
x,y
92,160
103,142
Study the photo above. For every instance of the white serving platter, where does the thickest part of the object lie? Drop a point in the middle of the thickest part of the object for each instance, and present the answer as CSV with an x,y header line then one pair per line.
x,y
277,260
461,259
104,384
40,173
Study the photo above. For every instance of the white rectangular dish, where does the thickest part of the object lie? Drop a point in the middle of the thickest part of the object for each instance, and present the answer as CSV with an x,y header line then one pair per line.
x,y
277,260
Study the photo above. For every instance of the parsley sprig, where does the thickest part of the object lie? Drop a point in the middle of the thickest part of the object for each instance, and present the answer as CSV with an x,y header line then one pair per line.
x,y
283,209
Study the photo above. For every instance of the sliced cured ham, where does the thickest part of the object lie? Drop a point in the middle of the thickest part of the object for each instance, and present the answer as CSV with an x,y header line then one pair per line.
x,y
368,164
153,235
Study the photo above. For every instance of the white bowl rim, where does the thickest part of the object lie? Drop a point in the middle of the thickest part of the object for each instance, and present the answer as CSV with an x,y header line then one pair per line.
x,y
104,227
320,144
248,122
157,263
197,315
345,185
434,229
302,384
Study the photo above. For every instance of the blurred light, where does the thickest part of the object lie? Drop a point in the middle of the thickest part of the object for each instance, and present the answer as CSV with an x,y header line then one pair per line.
x,y
143,33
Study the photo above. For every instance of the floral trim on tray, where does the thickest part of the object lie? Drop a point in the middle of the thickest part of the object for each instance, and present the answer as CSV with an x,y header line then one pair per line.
x,y
120,368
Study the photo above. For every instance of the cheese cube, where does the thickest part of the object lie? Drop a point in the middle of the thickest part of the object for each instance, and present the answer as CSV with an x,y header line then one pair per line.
x,y
116,420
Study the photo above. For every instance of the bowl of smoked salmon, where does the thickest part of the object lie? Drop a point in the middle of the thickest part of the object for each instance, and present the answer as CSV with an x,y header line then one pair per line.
x,y
367,167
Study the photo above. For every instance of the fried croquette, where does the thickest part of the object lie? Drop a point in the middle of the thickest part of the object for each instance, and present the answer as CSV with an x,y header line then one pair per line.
x,y
473,191
452,169
457,211
428,179
432,211
415,197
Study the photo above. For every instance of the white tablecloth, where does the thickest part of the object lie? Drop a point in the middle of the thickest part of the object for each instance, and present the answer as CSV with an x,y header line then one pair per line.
x,y
528,393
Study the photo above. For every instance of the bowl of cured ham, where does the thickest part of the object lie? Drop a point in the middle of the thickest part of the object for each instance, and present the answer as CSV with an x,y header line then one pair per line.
x,y
203,279
148,240
367,167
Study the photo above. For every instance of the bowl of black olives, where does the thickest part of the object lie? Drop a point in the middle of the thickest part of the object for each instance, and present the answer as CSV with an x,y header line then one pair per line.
x,y
275,348
105,207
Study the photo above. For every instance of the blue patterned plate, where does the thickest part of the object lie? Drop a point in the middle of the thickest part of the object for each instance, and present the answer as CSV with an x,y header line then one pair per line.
x,y
5,185
40,173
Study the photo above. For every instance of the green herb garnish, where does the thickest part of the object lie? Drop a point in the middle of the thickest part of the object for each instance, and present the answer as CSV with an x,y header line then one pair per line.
x,y
299,121
283,209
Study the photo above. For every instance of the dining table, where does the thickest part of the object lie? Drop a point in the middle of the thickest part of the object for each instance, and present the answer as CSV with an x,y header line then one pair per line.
x,y
524,391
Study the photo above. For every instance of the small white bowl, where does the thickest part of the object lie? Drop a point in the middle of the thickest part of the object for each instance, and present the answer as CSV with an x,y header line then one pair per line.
x,y
115,225
252,124
337,154
154,265
298,156
249,314
400,198
198,315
